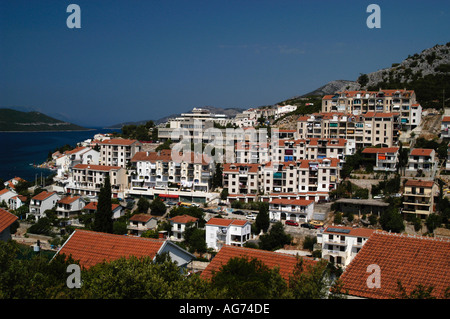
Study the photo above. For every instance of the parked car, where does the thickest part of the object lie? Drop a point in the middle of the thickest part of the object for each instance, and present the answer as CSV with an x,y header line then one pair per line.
x,y
250,216
306,225
238,212
291,223
378,197
316,223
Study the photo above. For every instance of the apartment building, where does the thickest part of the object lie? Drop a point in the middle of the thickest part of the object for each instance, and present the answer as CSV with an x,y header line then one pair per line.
x,y
402,102
422,159
220,232
89,179
303,176
313,148
341,244
419,197
247,118
445,125
298,210
195,123
42,202
69,206
371,128
160,170
240,178
252,152
385,158
80,155
118,151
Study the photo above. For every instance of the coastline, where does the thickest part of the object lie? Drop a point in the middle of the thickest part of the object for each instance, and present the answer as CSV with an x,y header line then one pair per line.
x,y
86,130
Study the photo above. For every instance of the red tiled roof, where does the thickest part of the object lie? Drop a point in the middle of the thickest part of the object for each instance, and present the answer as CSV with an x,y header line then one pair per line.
x,y
141,218
412,260
419,183
43,195
421,152
375,150
446,119
68,200
118,141
96,167
183,219
91,248
296,202
226,222
93,206
286,263
6,219
4,191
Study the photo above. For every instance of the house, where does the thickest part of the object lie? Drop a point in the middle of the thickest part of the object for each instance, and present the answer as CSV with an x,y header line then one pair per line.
x,y
140,223
179,224
286,263
341,244
91,248
419,197
385,158
17,202
69,206
221,231
445,125
79,155
389,258
11,184
6,220
6,194
117,210
298,210
421,159
42,202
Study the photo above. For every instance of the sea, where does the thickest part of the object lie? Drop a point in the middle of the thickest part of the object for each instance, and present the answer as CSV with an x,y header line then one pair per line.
x,y
20,151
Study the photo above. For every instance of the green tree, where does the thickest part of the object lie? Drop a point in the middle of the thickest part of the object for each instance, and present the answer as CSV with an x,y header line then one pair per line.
x,y
103,218
217,180
244,278
262,221
195,239
143,205
158,207
433,221
275,239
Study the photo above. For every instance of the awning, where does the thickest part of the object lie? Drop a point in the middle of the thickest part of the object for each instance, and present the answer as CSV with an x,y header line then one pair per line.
x,y
168,195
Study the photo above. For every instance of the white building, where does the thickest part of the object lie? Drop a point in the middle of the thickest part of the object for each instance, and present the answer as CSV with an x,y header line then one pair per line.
x,y
140,223
79,155
6,194
284,109
220,232
42,202
421,159
341,244
386,158
179,224
69,206
118,151
17,202
298,210
445,126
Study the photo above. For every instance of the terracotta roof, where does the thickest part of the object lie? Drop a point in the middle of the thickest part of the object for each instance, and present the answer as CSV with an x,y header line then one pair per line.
x,y
141,218
419,183
226,222
75,150
446,119
43,195
413,260
93,206
286,263
183,219
296,202
91,248
357,232
234,167
164,155
4,191
96,167
421,152
118,141
375,150
6,219
68,199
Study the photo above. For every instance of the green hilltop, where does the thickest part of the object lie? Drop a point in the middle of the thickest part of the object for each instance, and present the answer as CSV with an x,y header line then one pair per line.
x,y
18,121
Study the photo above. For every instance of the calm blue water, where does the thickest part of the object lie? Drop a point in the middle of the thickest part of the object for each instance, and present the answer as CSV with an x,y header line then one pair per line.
x,y
19,150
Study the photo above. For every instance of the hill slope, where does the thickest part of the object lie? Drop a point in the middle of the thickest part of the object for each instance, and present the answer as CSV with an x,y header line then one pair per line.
x,y
13,120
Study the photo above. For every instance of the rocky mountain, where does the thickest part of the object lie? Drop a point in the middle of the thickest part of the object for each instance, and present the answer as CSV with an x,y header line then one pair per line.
x,y
334,86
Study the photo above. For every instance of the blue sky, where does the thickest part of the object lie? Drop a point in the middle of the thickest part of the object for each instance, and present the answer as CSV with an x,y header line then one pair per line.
x,y
138,60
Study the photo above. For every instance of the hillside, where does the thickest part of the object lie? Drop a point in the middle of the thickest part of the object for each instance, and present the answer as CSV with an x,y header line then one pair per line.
x,y
18,121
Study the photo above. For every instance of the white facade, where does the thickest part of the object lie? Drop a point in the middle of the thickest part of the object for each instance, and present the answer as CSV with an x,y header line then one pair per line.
x,y
6,195
297,210
220,232
69,206
341,244
42,202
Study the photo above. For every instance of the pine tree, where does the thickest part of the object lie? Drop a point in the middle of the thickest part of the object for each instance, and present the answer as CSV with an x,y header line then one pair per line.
x,y
103,219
